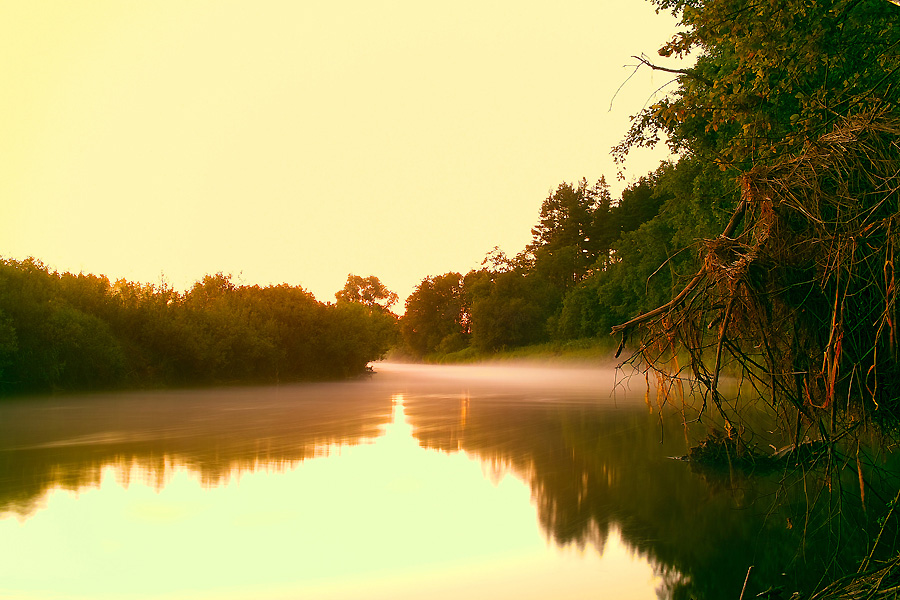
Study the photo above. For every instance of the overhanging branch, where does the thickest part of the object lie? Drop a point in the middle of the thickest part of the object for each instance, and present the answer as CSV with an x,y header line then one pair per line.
x,y
728,232
686,72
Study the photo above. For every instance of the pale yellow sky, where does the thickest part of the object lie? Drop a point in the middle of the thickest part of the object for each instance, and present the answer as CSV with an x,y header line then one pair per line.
x,y
292,141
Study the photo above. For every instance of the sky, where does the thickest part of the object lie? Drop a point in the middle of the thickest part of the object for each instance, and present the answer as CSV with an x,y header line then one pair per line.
x,y
290,141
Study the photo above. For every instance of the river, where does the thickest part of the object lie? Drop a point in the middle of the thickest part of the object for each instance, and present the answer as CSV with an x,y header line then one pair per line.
x,y
419,481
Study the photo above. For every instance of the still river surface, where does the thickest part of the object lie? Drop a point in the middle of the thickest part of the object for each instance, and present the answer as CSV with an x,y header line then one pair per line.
x,y
420,481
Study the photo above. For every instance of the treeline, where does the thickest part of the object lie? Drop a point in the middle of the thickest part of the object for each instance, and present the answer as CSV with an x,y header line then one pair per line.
x,y
594,261
772,239
78,332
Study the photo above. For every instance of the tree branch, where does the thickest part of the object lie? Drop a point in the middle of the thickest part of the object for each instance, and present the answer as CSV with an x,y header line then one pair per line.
x,y
729,230
687,72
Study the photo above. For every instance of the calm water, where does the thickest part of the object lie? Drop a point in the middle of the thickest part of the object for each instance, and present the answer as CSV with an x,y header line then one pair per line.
x,y
438,482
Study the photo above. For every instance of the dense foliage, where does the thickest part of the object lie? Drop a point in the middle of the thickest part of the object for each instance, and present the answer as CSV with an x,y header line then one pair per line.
x,y
65,331
592,262
797,104
771,76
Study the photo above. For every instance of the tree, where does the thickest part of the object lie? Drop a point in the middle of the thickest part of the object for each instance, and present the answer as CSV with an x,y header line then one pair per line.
x,y
8,345
771,76
211,287
434,313
514,312
497,261
660,217
64,331
639,204
570,234
353,335
366,290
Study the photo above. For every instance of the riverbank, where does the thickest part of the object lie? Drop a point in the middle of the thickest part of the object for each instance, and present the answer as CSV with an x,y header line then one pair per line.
x,y
600,351
590,351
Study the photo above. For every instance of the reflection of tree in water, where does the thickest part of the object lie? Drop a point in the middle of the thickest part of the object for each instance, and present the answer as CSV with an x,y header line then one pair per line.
x,y
68,442
592,471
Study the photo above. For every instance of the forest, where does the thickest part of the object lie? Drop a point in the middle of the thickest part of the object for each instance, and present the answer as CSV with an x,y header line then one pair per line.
x,y
594,261
60,331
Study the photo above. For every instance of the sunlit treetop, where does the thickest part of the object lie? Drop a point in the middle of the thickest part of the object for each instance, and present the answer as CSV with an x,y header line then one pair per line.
x,y
770,75
366,290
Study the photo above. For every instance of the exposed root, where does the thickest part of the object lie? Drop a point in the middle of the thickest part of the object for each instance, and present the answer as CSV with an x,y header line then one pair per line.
x,y
799,292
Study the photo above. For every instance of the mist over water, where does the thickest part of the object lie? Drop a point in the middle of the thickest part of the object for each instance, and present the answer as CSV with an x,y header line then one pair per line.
x,y
438,481
520,381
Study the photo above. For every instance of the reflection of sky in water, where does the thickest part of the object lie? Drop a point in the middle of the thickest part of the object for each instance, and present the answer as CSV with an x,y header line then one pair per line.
x,y
383,518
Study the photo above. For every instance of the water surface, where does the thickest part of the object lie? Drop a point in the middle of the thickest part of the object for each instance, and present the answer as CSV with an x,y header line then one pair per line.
x,y
420,481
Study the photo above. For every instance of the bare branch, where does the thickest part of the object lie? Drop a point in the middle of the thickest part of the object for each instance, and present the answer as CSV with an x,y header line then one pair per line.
x,y
687,72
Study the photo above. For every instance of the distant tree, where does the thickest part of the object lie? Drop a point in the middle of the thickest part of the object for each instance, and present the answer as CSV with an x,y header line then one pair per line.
x,y
434,313
640,202
366,290
210,289
355,334
8,345
47,343
660,218
86,352
567,239
64,331
513,311
497,261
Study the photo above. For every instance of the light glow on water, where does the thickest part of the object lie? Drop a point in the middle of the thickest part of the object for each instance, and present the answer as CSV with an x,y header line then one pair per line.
x,y
385,518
